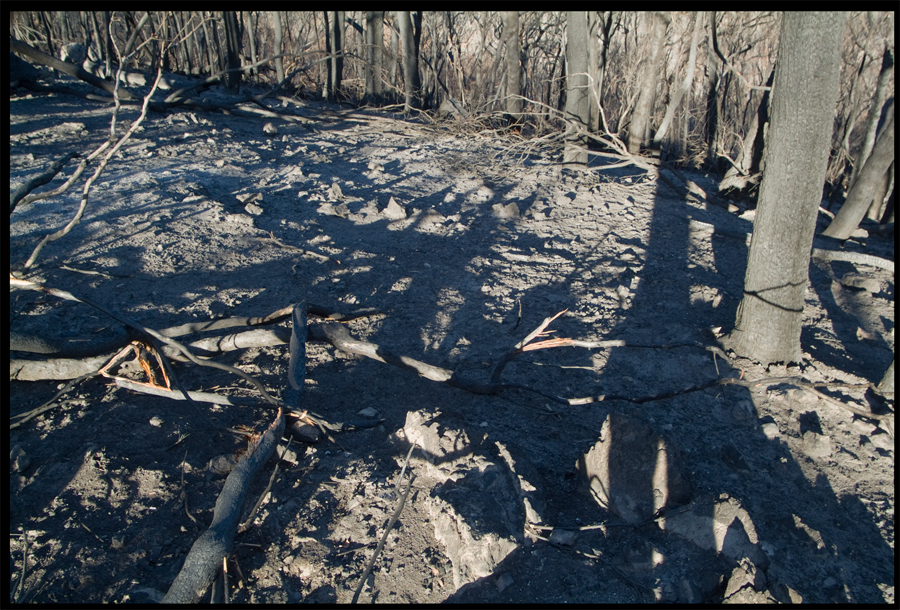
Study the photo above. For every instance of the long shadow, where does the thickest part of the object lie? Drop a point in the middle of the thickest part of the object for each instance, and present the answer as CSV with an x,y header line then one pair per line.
x,y
791,503
663,301
726,453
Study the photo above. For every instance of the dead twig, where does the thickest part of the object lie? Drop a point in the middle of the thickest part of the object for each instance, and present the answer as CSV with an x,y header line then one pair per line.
x,y
184,497
38,180
246,524
87,185
389,526
19,590
153,335
28,416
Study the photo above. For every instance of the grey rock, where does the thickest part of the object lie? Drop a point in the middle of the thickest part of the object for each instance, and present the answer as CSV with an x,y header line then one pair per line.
x,y
563,537
304,432
744,575
341,210
816,445
508,211
334,191
239,219
721,525
223,464
484,494
770,429
634,472
861,282
394,211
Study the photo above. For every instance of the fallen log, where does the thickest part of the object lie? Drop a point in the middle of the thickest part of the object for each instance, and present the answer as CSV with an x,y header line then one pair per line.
x,y
205,557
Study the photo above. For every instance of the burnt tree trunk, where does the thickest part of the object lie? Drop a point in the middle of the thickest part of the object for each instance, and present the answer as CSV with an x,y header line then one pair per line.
x,y
513,65
374,55
807,75
578,92
232,51
279,62
867,184
412,84
639,132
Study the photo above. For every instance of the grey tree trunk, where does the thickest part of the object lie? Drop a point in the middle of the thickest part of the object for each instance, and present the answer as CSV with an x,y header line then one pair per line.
x,y
886,386
107,19
712,98
807,75
870,178
513,67
412,84
639,132
881,91
750,161
334,46
879,210
374,55
596,68
685,85
578,92
232,51
279,63
395,57
251,38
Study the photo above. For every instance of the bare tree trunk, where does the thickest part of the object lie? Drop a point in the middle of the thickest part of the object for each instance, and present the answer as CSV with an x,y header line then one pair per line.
x,y
513,65
881,91
53,49
750,161
807,76
685,86
327,92
395,55
336,63
578,91
218,59
861,195
412,85
883,196
210,52
105,37
232,51
639,132
712,97
279,63
184,48
252,17
593,66
374,55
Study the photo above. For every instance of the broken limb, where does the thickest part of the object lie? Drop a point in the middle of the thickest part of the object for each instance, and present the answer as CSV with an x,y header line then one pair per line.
x,y
39,180
389,526
203,560
154,337
206,346
99,171
340,338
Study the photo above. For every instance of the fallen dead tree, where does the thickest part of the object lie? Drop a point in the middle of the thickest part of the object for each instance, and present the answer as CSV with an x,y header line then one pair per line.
x,y
206,555
70,359
338,336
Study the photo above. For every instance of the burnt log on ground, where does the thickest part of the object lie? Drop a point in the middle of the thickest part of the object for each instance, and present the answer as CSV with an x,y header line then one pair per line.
x,y
205,557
